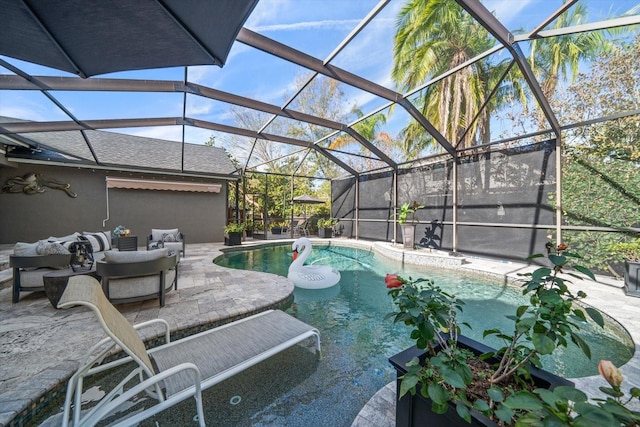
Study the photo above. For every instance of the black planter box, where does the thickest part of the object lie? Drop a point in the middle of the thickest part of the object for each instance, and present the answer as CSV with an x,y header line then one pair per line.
x,y
325,233
416,410
276,230
632,278
233,239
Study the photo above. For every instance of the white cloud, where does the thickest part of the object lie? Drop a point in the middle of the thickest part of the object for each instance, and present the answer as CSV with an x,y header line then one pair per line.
x,y
309,25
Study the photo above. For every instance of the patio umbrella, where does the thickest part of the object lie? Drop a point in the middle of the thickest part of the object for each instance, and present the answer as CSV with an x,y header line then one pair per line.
x,y
102,36
306,200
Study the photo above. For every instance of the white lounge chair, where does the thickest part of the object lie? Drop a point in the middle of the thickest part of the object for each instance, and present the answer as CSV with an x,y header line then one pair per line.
x,y
180,369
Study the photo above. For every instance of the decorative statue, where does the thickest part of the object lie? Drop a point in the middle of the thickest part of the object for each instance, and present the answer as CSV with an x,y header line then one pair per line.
x,y
33,183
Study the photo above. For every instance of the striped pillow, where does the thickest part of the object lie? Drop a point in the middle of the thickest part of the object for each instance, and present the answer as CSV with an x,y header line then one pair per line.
x,y
100,240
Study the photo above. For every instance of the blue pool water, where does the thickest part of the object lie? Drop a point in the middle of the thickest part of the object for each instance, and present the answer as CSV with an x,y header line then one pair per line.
x,y
357,340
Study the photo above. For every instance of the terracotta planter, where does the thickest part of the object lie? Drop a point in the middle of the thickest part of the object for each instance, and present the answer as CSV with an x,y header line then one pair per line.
x,y
416,410
632,278
408,235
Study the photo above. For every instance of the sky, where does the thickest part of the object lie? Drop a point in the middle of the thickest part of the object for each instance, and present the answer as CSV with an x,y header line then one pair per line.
x,y
315,27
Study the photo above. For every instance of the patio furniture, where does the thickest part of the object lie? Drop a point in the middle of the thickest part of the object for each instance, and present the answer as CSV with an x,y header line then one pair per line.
x,y
136,276
31,261
127,243
170,238
28,271
55,282
175,371
301,229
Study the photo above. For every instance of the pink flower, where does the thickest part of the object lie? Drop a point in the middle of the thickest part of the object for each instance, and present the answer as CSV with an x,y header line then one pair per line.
x,y
610,373
392,281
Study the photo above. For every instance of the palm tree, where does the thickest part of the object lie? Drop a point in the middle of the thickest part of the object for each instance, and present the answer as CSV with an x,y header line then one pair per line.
x,y
434,36
369,128
553,59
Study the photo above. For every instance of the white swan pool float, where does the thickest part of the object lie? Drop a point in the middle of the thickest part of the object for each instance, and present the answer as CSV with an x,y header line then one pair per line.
x,y
310,276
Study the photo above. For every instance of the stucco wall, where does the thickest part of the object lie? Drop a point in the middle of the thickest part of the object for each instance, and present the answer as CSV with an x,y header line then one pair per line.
x,y
200,216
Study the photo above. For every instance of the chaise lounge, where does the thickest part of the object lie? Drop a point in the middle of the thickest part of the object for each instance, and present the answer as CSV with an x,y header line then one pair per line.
x,y
175,371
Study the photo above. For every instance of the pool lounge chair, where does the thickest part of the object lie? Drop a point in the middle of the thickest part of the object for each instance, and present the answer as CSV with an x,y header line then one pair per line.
x,y
174,371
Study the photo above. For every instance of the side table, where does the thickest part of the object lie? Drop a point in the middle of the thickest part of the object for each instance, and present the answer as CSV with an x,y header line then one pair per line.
x,y
55,282
127,243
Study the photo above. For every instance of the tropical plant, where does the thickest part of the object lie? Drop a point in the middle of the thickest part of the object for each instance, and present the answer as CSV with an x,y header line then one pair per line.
x,y
407,209
234,227
629,250
327,222
549,320
567,406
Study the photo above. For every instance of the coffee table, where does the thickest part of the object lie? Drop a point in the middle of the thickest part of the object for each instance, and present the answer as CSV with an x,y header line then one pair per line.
x,y
55,282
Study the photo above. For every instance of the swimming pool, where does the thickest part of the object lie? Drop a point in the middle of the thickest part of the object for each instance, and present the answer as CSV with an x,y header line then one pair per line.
x,y
357,341
295,389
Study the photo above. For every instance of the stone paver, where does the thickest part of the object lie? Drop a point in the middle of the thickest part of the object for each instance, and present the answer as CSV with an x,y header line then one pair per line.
x,y
40,346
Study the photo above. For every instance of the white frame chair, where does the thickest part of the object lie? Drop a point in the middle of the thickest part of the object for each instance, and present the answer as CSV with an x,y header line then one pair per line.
x,y
182,373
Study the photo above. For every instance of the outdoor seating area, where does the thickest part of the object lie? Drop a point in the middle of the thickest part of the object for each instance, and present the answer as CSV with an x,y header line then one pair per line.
x,y
126,275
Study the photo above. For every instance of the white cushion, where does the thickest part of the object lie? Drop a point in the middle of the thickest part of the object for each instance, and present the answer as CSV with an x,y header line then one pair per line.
x,y
100,240
70,238
156,233
132,287
135,256
33,278
25,249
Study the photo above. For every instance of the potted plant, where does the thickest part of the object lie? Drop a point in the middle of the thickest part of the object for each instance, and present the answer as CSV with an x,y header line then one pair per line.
x,y
447,379
276,227
408,229
630,252
234,232
248,228
325,227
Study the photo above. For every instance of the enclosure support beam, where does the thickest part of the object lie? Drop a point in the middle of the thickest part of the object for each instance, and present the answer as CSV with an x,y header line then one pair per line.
x,y
454,236
559,189
357,178
395,204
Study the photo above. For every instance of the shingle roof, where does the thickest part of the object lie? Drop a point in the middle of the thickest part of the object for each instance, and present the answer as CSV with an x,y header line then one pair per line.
x,y
115,149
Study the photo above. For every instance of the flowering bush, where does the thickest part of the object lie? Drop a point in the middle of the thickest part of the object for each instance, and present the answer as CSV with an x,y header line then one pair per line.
x,y
549,320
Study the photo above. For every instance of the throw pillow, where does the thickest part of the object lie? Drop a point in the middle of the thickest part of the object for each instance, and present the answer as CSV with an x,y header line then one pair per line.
x,y
100,240
25,249
156,233
51,248
66,244
166,237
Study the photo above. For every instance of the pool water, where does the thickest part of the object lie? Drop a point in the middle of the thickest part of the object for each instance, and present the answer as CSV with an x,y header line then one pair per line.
x,y
357,340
